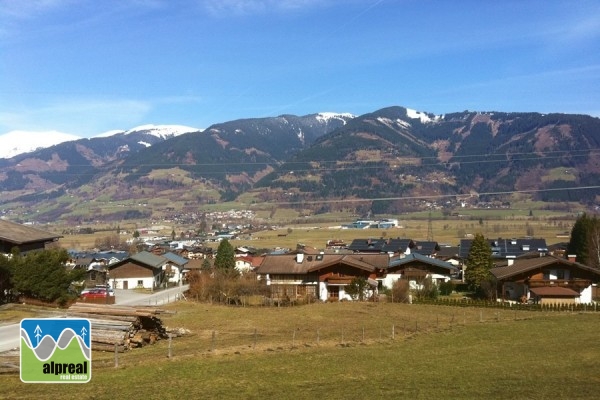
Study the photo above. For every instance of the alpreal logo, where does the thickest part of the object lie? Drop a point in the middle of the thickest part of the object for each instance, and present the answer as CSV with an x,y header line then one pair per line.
x,y
56,350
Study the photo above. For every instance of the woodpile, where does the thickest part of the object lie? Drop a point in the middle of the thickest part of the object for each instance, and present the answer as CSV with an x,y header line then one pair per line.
x,y
122,326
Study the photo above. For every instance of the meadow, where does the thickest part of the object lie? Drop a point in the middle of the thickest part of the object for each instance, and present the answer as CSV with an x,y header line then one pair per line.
x,y
348,351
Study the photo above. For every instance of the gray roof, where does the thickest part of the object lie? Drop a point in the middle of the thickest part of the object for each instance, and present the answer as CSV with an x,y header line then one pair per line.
x,y
175,259
145,257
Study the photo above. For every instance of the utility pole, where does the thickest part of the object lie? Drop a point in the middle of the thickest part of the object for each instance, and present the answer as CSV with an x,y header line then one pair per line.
x,y
429,229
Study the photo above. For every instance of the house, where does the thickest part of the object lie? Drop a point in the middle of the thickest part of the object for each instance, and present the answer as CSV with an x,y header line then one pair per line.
x,y
392,246
174,268
507,248
416,267
141,270
23,237
96,275
243,264
426,248
322,276
448,254
546,280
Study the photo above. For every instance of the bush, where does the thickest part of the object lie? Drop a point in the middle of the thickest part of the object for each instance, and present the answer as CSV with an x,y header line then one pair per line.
x,y
400,291
446,288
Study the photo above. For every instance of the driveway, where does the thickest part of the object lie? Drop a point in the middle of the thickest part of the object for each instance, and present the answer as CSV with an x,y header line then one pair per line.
x,y
133,298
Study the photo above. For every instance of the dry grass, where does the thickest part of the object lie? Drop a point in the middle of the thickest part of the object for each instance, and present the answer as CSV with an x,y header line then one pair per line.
x,y
452,355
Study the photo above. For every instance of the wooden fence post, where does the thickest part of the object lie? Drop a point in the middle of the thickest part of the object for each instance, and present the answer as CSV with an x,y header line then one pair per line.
x,y
116,355
170,344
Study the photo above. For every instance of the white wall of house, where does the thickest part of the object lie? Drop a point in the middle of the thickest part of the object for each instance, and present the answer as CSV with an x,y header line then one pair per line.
x,y
243,266
343,294
323,292
176,273
439,278
133,283
586,296
390,279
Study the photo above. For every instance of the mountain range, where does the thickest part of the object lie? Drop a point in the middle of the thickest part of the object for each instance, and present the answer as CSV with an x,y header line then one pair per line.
x,y
387,161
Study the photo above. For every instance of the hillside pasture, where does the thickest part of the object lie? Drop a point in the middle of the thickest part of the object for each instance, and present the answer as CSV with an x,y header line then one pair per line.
x,y
434,352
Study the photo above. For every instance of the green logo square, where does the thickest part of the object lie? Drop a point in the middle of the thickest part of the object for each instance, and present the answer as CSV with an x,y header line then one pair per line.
x,y
56,350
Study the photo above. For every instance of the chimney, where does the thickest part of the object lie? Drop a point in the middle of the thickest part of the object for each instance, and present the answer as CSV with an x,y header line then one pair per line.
x,y
572,257
299,258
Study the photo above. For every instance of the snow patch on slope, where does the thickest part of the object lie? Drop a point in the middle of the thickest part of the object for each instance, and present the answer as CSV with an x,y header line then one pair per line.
x,y
414,114
17,142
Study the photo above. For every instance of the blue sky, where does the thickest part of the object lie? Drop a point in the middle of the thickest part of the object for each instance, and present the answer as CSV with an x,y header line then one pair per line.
x,y
85,67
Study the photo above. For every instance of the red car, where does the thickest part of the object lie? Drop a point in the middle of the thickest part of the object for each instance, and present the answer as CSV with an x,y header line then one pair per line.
x,y
94,294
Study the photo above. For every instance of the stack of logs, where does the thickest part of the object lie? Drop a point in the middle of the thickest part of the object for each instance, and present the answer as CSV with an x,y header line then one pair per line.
x,y
120,327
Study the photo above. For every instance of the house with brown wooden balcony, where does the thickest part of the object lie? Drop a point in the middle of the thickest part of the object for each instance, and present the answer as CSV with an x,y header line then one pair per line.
x,y
318,275
546,279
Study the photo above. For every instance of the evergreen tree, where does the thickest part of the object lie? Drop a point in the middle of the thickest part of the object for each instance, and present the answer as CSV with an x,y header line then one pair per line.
x,y
479,262
206,265
585,240
5,281
43,275
357,289
225,258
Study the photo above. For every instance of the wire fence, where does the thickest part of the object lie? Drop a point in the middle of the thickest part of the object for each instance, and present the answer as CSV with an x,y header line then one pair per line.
x,y
275,338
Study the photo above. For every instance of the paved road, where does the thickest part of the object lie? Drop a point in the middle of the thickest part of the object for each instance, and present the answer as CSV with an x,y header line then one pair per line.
x,y
9,337
9,334
133,298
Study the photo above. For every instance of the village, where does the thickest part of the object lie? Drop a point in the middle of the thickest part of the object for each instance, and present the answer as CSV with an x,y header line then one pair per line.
x,y
525,270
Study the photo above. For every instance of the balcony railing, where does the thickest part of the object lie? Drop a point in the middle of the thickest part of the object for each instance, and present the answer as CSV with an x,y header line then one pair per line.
x,y
570,283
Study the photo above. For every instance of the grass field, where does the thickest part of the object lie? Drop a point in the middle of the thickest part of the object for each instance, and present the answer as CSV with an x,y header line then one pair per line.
x,y
350,351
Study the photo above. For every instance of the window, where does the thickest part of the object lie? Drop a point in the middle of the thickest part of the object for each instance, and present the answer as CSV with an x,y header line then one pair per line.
x,y
140,282
334,292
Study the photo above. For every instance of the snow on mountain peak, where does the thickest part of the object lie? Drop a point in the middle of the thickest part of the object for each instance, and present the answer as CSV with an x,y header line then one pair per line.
x,y
424,117
163,131
18,142
327,116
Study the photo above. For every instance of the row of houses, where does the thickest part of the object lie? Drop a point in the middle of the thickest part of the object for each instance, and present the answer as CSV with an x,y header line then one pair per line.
x,y
525,268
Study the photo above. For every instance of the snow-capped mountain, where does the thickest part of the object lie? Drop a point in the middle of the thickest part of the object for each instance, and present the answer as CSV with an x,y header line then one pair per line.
x,y
328,116
19,142
160,131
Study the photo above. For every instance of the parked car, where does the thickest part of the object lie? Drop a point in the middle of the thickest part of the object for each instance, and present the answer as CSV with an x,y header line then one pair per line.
x,y
99,287
94,293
